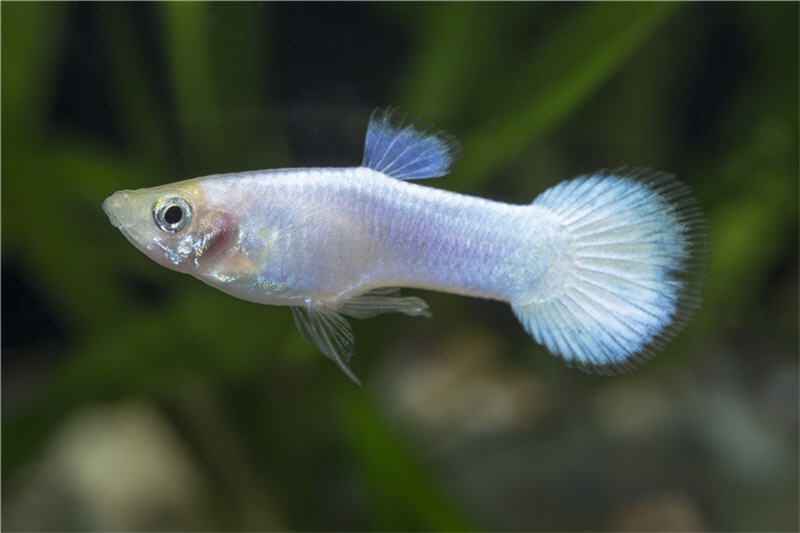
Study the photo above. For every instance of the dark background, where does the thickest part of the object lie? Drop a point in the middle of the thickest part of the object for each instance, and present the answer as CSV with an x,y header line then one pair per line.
x,y
137,398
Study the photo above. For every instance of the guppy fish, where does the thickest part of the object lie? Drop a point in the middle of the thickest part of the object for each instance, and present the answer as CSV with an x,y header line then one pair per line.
x,y
599,269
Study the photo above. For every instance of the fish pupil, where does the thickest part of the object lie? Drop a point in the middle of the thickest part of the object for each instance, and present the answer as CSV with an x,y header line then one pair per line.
x,y
173,214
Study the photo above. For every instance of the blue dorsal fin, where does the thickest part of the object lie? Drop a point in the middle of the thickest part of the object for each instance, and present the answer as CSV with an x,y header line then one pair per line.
x,y
401,151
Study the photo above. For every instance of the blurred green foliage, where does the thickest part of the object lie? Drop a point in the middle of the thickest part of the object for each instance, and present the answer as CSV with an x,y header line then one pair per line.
x,y
536,92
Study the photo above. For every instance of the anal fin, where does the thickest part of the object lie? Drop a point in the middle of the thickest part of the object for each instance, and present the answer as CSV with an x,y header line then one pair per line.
x,y
329,332
379,301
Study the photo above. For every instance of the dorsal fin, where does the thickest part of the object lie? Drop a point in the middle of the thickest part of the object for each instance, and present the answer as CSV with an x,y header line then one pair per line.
x,y
401,151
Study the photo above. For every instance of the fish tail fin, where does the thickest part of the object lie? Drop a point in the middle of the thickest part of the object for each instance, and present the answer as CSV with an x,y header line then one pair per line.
x,y
626,274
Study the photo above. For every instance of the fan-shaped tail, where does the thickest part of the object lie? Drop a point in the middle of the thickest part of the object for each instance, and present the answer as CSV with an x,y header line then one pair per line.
x,y
627,278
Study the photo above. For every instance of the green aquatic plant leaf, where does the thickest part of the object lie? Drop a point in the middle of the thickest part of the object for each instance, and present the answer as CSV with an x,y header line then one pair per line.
x,y
30,64
456,43
131,77
583,51
403,495
187,28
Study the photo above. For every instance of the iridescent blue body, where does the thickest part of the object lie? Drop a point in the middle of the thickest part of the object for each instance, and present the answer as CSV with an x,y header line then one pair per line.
x,y
597,268
338,232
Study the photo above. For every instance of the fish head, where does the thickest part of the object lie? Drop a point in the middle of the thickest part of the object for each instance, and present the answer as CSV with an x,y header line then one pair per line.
x,y
173,225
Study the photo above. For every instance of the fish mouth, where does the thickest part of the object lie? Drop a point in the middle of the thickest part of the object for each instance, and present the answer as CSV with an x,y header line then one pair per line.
x,y
114,206
117,208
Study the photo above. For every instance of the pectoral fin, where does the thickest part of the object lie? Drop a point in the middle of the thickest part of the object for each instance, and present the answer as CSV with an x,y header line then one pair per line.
x,y
329,332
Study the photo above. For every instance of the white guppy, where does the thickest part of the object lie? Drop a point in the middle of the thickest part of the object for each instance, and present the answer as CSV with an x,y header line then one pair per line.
x,y
600,269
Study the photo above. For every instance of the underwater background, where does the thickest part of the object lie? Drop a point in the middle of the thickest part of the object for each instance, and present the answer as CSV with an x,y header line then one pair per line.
x,y
138,398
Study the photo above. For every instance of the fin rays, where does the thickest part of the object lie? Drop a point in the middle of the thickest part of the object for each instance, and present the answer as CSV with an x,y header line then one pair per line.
x,y
634,248
330,333
381,301
404,152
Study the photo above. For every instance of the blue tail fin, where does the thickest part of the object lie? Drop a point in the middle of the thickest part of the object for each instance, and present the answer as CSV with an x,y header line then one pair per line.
x,y
628,278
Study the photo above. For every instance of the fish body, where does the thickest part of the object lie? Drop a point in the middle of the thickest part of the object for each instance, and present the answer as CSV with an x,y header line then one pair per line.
x,y
597,268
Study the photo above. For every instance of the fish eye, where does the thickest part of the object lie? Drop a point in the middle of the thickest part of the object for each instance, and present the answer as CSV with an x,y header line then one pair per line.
x,y
172,213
